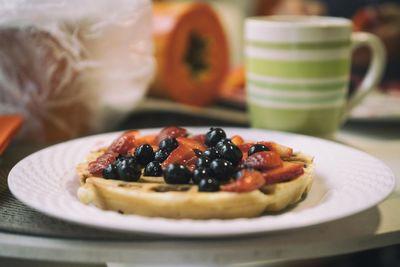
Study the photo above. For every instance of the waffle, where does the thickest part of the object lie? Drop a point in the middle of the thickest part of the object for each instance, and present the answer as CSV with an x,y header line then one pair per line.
x,y
151,197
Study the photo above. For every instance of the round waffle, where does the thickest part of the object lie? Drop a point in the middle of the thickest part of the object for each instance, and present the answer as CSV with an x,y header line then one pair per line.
x,y
150,196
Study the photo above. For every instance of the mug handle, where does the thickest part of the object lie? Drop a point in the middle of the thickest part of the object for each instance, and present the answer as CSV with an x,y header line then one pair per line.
x,y
375,69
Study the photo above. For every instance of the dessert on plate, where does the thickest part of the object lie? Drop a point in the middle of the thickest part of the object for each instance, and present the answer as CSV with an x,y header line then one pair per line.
x,y
176,174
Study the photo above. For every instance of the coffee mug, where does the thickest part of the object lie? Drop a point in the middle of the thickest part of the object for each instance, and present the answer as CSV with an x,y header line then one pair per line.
x,y
298,70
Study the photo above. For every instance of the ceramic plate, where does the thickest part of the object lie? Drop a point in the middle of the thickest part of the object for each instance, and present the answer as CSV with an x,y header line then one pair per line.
x,y
347,181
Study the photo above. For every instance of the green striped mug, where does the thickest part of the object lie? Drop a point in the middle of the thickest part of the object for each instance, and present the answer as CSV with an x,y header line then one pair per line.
x,y
298,69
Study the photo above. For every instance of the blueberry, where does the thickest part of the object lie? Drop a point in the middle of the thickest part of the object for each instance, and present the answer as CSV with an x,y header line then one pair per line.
x,y
168,144
231,153
211,153
144,154
153,168
197,152
203,161
177,174
257,148
119,159
129,169
221,169
161,155
110,172
201,173
223,142
208,185
213,136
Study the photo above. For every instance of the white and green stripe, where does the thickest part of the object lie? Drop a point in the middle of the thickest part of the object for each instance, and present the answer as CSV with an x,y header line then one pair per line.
x,y
297,81
291,55
303,92
299,45
298,68
297,93
299,75
294,103
293,88
298,99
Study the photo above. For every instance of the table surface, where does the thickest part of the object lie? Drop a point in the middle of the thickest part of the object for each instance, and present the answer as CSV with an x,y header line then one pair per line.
x,y
376,227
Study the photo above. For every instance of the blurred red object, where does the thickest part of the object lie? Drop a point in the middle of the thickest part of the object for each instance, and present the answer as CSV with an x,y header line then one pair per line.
x,y
9,125
384,21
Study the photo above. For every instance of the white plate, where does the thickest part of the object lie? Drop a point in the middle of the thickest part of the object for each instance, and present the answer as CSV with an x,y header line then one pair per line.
x,y
347,181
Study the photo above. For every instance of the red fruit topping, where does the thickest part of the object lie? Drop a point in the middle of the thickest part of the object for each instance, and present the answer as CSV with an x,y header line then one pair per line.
x,y
170,132
123,144
199,137
249,180
191,143
263,160
134,133
283,151
96,167
245,148
190,163
179,155
237,140
288,171
150,139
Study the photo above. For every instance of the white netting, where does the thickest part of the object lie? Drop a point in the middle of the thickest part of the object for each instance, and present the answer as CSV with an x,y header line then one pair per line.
x,y
73,67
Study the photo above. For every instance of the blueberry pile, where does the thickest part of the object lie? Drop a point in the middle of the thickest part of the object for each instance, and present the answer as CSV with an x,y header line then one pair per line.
x,y
217,165
129,168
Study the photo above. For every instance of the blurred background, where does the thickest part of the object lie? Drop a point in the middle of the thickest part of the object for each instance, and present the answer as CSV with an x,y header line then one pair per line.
x,y
69,73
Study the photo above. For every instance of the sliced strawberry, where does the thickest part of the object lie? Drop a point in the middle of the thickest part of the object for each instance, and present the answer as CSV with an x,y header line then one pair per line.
x,y
199,137
191,143
170,132
245,148
134,133
150,139
96,167
190,163
283,151
123,144
179,155
248,181
237,140
288,171
263,160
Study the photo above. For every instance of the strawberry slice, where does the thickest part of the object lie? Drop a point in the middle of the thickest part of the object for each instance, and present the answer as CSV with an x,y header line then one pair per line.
x,y
97,166
179,155
171,132
123,144
237,140
150,139
288,171
191,143
134,133
245,148
283,151
190,163
249,180
263,160
199,137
